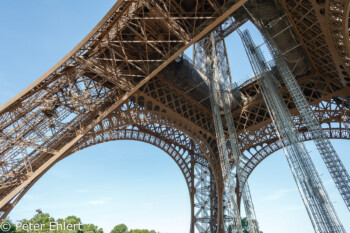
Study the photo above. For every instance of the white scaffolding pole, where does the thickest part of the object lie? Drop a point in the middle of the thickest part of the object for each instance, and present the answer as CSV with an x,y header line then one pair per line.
x,y
312,191
236,152
210,58
249,210
330,157
214,89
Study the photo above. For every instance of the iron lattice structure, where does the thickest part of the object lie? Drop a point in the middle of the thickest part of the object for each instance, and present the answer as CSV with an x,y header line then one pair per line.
x,y
122,83
311,188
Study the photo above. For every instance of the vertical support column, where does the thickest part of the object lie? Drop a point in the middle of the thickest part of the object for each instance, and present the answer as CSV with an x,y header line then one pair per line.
x,y
192,191
312,191
346,116
205,217
249,210
236,153
220,85
330,157
214,89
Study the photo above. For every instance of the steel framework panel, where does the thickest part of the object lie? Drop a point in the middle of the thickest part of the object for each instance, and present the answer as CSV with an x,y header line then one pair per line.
x,y
313,193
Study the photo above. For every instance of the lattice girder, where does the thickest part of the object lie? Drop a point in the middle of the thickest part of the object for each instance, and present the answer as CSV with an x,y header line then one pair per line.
x,y
120,60
180,148
330,115
133,42
322,27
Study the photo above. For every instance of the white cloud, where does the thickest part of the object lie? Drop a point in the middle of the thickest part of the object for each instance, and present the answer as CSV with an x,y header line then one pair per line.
x,y
278,194
97,202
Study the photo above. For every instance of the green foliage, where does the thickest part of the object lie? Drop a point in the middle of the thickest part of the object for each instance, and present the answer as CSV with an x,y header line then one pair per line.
x,y
38,223
121,228
7,226
44,223
92,228
245,226
139,231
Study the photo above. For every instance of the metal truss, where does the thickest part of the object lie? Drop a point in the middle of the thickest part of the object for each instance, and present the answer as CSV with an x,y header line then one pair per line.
x,y
221,87
249,210
316,200
322,28
204,211
332,115
329,155
109,87
127,49
213,73
124,125
321,211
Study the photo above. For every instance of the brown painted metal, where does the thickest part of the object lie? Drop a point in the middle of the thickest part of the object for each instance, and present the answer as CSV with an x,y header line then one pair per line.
x,y
109,87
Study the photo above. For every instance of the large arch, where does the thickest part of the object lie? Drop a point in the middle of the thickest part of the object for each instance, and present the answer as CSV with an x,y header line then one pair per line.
x,y
268,149
332,115
141,119
186,154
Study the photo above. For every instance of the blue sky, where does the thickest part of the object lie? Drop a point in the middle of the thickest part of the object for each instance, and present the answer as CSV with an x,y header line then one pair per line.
x,y
129,182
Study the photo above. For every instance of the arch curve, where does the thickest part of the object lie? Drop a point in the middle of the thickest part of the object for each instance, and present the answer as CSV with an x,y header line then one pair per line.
x,y
176,149
267,149
185,151
141,120
338,23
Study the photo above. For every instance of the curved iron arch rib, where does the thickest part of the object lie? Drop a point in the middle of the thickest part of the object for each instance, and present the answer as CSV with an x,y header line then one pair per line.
x,y
181,153
183,150
338,23
190,160
136,119
331,115
268,149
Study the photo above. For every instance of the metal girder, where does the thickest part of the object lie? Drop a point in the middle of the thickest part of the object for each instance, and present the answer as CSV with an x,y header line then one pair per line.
x,y
317,203
94,79
78,101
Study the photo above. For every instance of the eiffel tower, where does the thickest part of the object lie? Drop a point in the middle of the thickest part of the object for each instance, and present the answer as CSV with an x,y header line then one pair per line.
x,y
128,79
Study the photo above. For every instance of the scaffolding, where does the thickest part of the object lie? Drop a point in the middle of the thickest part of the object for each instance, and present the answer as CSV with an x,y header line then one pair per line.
x,y
330,157
214,90
215,71
315,198
249,210
236,154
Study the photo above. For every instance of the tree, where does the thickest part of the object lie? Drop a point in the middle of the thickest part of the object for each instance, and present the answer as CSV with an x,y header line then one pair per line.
x,y
42,220
49,224
120,228
92,228
139,231
245,226
7,226
44,223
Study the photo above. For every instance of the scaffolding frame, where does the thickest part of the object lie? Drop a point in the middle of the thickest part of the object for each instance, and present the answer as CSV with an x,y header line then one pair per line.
x,y
211,61
320,209
214,90
330,157
249,210
236,154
